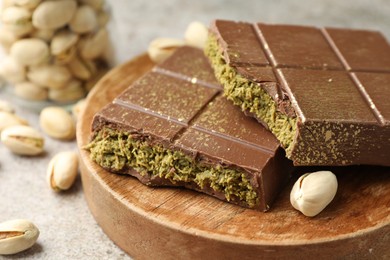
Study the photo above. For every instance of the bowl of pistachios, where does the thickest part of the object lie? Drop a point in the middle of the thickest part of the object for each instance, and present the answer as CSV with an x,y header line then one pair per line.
x,y
55,51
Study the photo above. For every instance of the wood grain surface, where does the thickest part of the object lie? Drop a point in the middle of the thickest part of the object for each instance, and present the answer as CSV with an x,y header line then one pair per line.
x,y
173,223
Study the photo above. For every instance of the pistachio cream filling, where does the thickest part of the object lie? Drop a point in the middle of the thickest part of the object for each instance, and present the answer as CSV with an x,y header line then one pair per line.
x,y
118,150
250,96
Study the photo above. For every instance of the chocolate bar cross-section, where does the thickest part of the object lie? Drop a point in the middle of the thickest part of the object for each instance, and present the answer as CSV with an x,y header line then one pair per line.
x,y
322,92
173,128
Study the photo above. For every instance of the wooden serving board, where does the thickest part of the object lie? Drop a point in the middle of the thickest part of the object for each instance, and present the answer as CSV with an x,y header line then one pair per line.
x,y
171,223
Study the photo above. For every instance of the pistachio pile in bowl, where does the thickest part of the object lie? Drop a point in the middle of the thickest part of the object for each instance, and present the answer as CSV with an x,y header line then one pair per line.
x,y
55,49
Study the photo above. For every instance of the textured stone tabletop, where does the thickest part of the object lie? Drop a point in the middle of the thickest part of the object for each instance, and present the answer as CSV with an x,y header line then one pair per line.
x,y
68,230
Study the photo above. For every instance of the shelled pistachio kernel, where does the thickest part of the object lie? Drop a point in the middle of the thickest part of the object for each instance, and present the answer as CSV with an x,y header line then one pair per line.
x,y
57,123
312,192
23,140
17,235
62,170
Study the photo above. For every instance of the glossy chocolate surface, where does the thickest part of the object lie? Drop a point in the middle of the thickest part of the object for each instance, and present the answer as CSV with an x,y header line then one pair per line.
x,y
179,105
338,82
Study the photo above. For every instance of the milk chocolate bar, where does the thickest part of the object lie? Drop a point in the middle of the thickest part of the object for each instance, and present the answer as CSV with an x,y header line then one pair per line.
x,y
324,93
173,127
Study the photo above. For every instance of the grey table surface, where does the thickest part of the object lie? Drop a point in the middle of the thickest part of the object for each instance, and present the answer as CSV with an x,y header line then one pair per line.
x,y
68,230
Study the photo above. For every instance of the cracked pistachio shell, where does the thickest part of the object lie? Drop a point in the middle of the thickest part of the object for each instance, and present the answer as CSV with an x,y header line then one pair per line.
x,y
312,192
30,91
84,20
8,119
62,170
30,52
28,4
196,35
95,4
72,92
17,235
92,46
23,140
53,14
17,20
81,69
12,71
7,38
5,106
57,123
161,48
50,76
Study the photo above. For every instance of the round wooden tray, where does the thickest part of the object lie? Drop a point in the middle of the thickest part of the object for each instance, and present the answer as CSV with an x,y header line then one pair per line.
x,y
169,223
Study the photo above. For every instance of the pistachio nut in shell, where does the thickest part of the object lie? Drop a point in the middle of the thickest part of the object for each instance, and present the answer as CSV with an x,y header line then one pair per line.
x,y
12,71
22,140
102,18
53,14
95,78
312,192
43,34
95,4
57,123
161,48
63,46
84,20
30,51
81,69
17,20
6,3
93,46
7,38
30,91
62,170
28,4
50,76
8,119
72,92
196,35
62,41
17,235
78,108
5,106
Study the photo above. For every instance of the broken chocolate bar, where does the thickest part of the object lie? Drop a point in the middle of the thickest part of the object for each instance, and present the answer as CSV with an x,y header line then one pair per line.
x,y
173,128
322,92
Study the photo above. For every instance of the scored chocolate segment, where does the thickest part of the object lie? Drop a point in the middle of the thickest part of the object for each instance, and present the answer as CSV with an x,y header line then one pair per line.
x,y
174,128
360,50
167,101
244,50
377,86
317,90
298,46
346,104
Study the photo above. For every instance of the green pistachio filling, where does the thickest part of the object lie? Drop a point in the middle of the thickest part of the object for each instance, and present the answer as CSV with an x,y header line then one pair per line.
x,y
251,97
117,150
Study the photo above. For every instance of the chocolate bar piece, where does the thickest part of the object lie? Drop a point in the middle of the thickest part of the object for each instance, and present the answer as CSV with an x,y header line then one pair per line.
x,y
173,128
322,92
